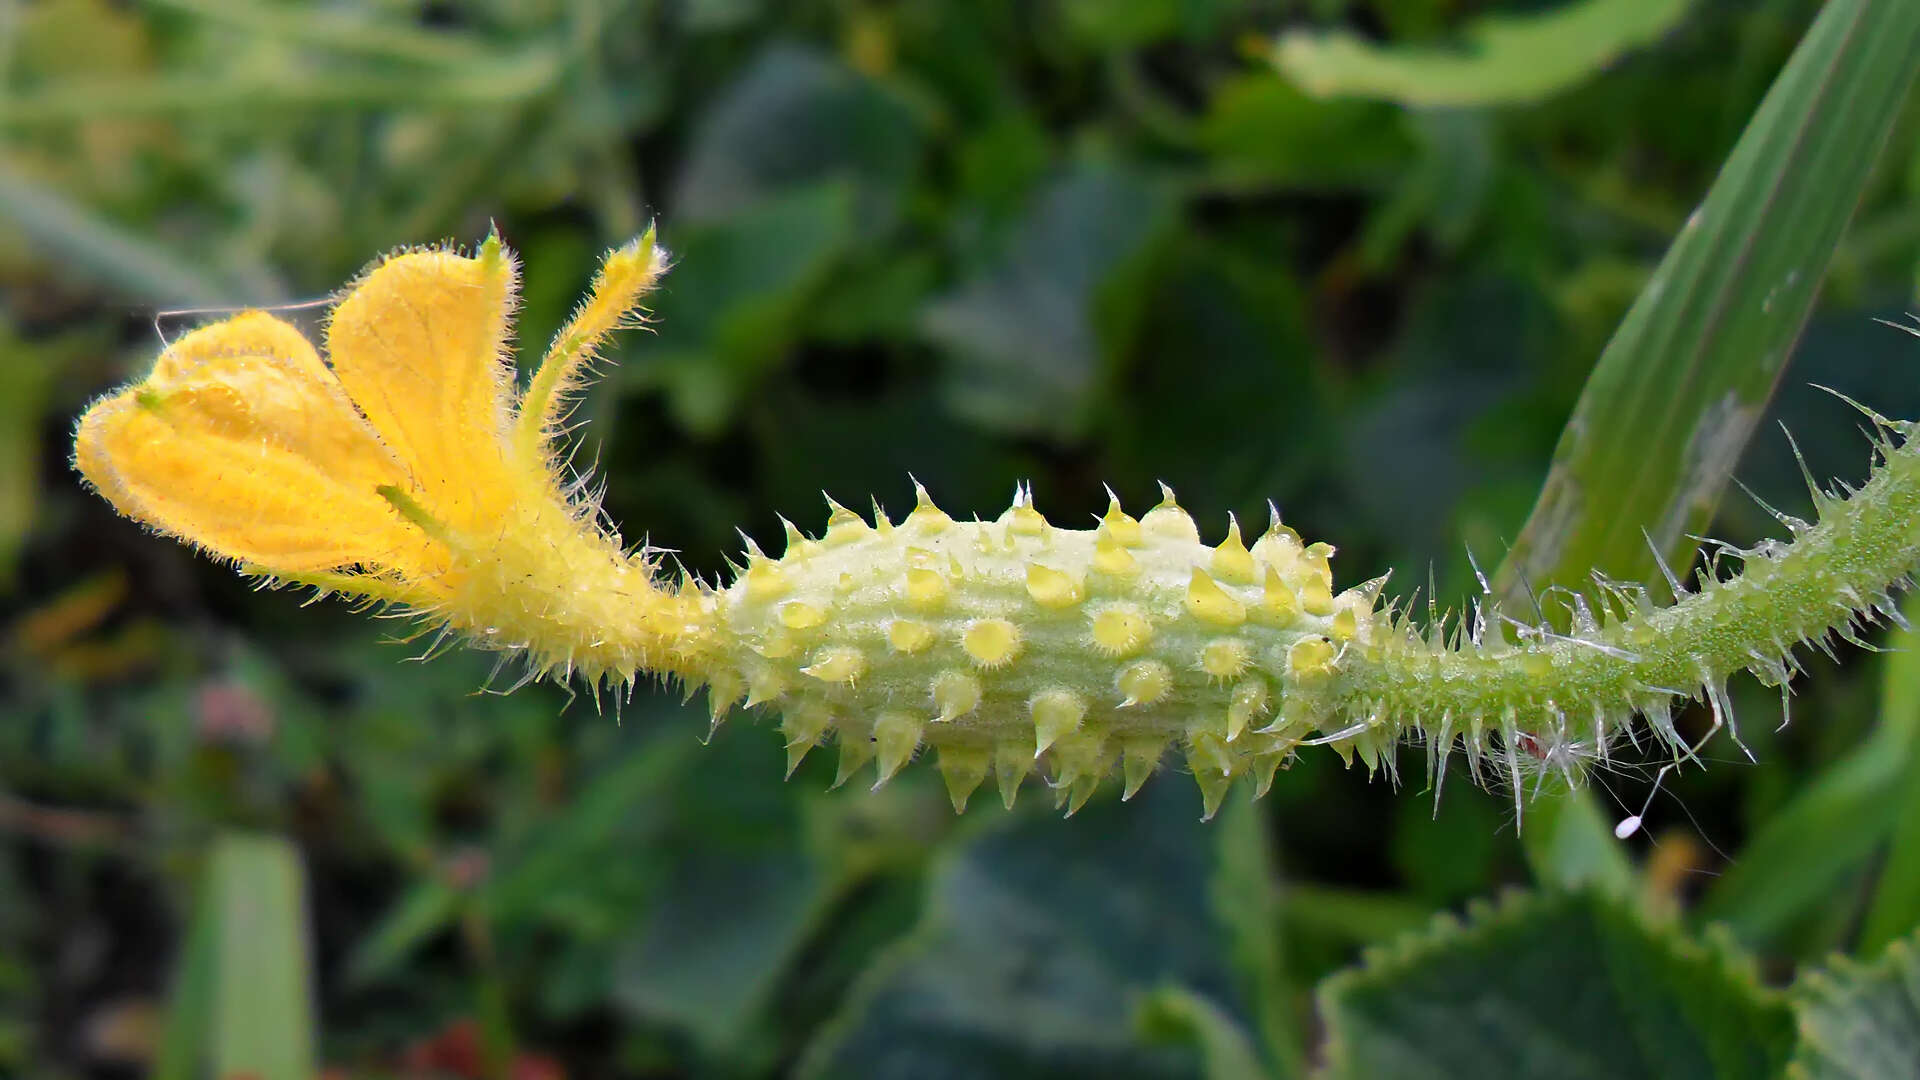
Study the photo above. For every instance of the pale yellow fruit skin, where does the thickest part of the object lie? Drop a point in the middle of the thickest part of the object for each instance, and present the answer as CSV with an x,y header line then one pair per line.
x,y
994,635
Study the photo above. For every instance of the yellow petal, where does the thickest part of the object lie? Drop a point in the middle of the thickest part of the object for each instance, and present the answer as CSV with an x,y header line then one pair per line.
x,y
242,443
419,344
254,371
626,274
249,333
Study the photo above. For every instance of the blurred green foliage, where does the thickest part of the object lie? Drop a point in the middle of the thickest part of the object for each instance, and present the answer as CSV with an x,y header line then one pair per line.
x,y
1072,241
1501,59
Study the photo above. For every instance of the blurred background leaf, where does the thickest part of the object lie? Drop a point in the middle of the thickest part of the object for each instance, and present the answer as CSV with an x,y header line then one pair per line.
x,y
243,1000
1492,998
1501,59
1860,1021
1041,939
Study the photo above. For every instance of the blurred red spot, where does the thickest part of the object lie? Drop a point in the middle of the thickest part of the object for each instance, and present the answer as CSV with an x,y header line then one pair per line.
x,y
456,1051
232,712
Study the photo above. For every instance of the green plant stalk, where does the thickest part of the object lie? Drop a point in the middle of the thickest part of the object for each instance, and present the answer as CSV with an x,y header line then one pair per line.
x,y
1690,369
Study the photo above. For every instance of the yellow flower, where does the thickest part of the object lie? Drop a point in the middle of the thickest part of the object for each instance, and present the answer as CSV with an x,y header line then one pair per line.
x,y
401,468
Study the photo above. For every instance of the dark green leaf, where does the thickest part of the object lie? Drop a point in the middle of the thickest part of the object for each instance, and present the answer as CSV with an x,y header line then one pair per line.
x,y
710,975
26,381
181,1048
1039,939
1023,342
1572,986
734,852
736,295
1260,130
1808,848
797,119
1177,1014
1349,916
623,801
1121,24
1860,1021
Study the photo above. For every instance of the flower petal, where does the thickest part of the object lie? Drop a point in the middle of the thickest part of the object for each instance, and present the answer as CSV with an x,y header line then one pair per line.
x,y
420,346
240,441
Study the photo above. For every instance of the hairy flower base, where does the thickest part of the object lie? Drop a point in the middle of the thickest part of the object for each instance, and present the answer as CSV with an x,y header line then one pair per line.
x,y
405,469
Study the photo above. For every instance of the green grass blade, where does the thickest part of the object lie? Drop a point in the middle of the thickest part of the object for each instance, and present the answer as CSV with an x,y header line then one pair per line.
x,y
242,997
262,1015
88,245
183,1037
1895,910
1807,850
1504,59
503,81
1681,385
1678,390
1552,985
1247,899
